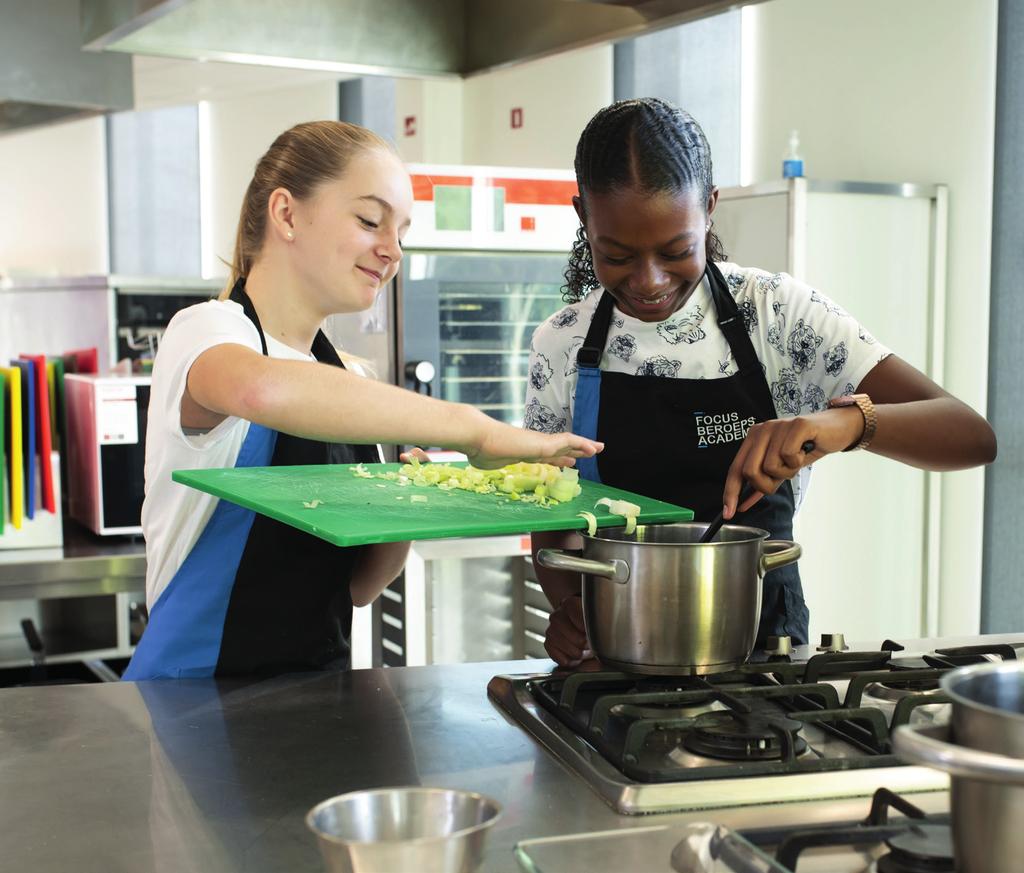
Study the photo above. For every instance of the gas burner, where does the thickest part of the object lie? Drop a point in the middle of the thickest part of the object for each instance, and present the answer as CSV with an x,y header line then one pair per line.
x,y
894,692
733,736
926,848
668,710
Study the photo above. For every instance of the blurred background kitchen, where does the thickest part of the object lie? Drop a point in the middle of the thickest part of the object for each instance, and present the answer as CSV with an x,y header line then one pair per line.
x,y
122,166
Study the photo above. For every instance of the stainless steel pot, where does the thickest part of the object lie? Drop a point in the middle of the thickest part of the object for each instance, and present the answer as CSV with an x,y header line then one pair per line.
x,y
983,750
659,601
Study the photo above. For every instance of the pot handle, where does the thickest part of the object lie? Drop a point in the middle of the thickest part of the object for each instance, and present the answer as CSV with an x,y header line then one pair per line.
x,y
927,746
555,559
778,553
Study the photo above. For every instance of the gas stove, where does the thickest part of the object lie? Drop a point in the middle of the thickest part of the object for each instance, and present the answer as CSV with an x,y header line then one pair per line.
x,y
895,836
806,725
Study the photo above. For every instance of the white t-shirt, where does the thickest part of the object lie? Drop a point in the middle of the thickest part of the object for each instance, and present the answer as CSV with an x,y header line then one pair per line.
x,y
811,350
173,515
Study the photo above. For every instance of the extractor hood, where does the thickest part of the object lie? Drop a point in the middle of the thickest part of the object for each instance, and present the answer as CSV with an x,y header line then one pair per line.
x,y
44,74
387,37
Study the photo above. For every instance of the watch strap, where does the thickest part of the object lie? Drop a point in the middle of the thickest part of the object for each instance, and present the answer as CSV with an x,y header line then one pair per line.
x,y
867,409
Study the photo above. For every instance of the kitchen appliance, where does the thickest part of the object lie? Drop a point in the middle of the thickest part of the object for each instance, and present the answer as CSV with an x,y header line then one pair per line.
x,y
816,230
429,830
983,749
659,601
106,448
333,503
810,725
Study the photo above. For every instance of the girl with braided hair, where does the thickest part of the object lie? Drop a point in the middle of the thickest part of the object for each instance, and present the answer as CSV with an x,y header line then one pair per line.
x,y
700,375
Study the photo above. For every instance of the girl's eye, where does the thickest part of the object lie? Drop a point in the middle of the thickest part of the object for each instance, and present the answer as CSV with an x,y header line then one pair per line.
x,y
370,224
680,256
615,261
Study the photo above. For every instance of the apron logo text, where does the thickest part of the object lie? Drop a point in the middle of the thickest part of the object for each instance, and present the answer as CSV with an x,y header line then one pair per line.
x,y
721,427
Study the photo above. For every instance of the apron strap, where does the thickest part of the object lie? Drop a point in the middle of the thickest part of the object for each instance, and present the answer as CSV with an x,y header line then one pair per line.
x,y
590,352
322,349
730,321
239,296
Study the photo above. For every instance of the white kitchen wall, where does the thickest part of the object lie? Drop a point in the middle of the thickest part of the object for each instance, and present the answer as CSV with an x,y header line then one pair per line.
x,y
902,92
53,184
435,109
557,96
234,133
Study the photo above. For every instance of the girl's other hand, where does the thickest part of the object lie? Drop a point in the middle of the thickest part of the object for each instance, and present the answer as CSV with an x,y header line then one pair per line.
x,y
566,637
773,451
414,453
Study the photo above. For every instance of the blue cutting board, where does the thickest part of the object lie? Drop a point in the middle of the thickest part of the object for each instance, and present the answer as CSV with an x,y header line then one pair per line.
x,y
355,511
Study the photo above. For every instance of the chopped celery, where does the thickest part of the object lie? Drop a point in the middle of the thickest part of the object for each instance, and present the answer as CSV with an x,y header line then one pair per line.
x,y
542,484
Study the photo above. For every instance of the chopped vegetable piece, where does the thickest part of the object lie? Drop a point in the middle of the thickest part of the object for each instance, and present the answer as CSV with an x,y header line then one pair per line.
x,y
312,504
419,498
627,510
591,522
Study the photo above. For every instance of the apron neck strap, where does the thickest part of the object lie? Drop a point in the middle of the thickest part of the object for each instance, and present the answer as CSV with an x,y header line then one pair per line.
x,y
239,296
730,320
590,352
322,349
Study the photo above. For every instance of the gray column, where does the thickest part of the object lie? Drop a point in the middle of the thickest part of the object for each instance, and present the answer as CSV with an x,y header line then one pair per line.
x,y
369,101
696,66
153,181
1002,597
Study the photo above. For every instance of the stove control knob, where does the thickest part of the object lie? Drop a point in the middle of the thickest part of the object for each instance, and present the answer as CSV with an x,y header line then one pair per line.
x,y
833,643
779,646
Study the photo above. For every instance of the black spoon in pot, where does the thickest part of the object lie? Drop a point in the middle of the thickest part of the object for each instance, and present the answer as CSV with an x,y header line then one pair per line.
x,y
748,489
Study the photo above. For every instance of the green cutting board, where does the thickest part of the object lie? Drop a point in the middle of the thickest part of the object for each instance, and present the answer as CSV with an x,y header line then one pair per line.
x,y
354,511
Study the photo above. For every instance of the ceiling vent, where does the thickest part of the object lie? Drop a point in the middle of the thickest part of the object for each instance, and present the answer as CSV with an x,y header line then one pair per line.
x,y
387,37
44,74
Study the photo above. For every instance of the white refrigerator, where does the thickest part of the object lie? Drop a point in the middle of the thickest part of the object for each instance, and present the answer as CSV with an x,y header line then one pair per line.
x,y
869,526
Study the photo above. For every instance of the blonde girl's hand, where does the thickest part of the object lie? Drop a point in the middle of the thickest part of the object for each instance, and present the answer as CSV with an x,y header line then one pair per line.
x,y
504,444
773,451
415,453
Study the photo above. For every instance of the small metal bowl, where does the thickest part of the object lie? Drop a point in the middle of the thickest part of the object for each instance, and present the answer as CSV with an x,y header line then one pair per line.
x,y
428,830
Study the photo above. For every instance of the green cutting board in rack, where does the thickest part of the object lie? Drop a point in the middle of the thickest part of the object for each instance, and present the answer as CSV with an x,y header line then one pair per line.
x,y
348,510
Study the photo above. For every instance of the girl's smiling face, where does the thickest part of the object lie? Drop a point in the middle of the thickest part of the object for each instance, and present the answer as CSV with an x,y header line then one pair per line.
x,y
648,249
348,235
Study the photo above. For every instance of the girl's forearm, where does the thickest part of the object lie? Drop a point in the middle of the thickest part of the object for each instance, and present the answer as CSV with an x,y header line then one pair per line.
x,y
937,434
318,401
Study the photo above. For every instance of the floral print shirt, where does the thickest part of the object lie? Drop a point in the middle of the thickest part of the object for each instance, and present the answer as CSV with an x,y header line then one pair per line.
x,y
810,348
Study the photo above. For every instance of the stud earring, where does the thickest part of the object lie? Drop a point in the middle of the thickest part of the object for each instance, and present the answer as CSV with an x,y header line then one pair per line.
x,y
290,235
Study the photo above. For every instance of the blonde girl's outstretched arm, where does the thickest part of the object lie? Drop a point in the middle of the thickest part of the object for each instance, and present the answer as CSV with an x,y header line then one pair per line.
x,y
318,401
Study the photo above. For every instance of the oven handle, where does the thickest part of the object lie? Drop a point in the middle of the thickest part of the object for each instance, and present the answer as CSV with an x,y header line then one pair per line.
x,y
920,745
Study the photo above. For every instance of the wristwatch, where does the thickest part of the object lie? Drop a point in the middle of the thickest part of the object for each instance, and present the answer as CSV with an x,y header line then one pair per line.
x,y
867,409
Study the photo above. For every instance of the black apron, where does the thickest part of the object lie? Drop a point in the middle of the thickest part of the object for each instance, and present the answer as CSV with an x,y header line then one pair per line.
x,y
254,596
675,439
291,608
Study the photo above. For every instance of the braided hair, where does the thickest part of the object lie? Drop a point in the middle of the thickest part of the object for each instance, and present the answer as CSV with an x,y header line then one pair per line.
x,y
645,144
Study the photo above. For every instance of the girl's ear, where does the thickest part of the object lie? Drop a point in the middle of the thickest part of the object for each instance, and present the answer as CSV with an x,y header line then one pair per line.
x,y
281,213
577,204
712,201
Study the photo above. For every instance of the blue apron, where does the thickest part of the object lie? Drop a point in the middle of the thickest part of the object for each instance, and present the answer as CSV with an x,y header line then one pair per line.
x,y
675,439
255,596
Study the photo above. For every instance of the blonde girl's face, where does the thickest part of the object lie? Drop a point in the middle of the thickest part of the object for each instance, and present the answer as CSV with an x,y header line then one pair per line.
x,y
348,235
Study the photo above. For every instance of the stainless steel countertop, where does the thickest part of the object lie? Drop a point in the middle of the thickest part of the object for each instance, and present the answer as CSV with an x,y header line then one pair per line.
x,y
86,564
218,776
